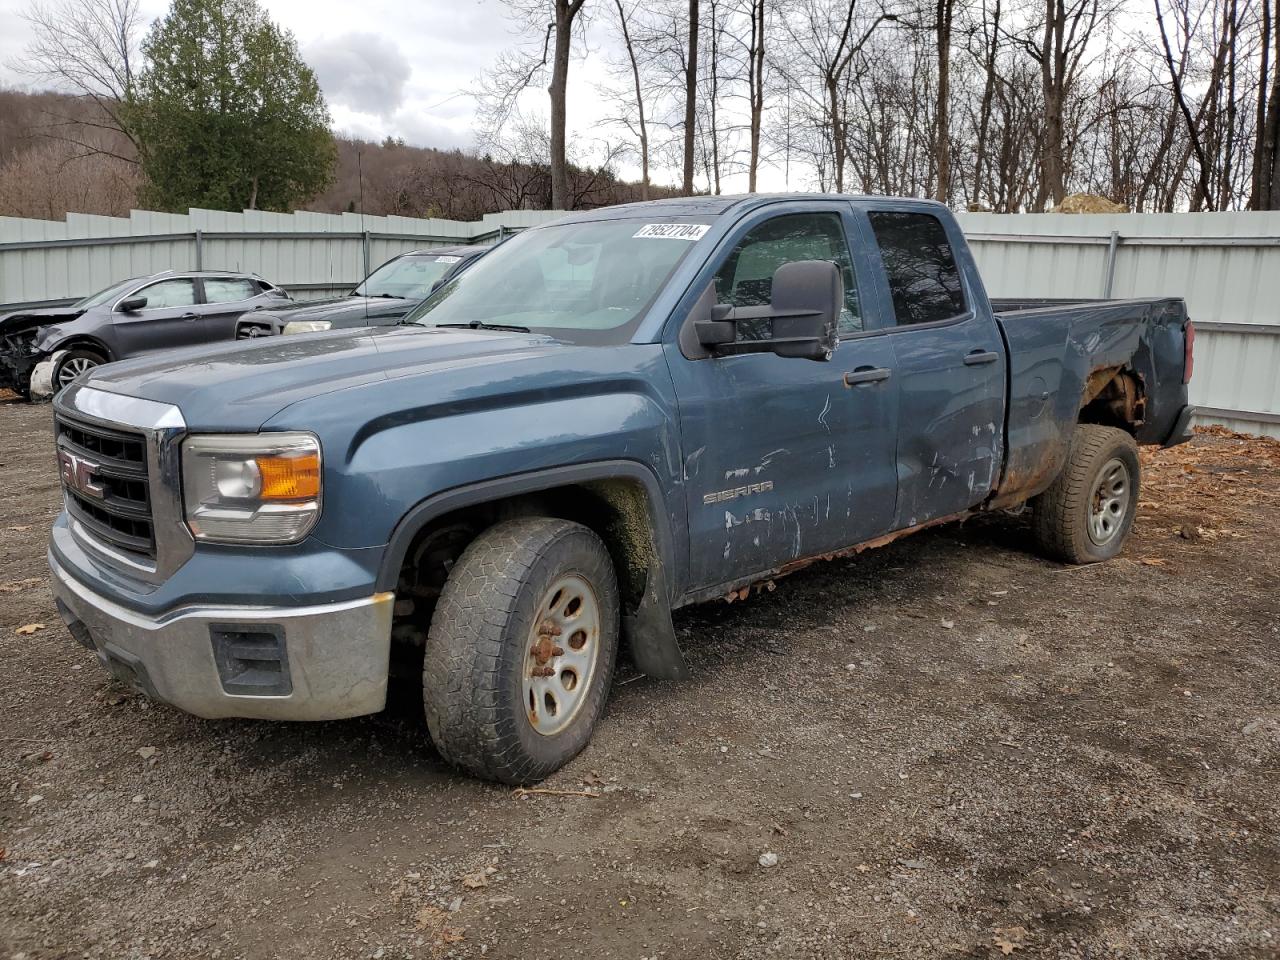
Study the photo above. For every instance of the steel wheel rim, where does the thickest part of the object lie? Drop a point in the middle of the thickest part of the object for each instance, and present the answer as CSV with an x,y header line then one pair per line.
x,y
561,655
72,368
1110,501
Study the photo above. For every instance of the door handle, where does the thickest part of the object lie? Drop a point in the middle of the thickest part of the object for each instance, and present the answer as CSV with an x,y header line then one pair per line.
x,y
978,357
865,375
189,316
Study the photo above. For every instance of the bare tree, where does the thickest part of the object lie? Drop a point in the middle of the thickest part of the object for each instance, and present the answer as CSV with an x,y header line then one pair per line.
x,y
53,177
90,49
1059,44
755,87
944,16
690,96
566,12
825,37
633,61
518,70
1266,175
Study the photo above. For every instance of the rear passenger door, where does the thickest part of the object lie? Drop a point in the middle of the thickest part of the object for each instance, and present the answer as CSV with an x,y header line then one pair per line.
x,y
226,299
170,318
949,363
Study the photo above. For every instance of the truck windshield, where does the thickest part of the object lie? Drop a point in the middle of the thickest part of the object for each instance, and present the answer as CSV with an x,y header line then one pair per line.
x,y
586,283
406,277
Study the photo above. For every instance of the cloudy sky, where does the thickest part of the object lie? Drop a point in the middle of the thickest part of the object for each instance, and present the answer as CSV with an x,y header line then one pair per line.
x,y
393,68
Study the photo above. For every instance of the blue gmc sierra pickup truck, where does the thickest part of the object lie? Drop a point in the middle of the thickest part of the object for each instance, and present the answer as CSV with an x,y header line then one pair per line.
x,y
610,416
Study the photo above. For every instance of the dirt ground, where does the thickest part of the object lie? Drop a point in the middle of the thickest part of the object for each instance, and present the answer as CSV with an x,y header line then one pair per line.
x,y
952,747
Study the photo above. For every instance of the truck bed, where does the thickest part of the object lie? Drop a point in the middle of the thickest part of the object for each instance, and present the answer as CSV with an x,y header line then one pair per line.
x,y
1055,347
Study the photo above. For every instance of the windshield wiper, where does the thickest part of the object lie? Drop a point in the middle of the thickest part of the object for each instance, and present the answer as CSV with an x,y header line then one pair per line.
x,y
481,325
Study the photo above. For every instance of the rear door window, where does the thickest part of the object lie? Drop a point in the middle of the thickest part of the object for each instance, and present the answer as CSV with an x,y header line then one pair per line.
x,y
228,289
924,280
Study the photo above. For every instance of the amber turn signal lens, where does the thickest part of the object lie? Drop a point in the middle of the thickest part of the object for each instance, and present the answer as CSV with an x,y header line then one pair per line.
x,y
289,478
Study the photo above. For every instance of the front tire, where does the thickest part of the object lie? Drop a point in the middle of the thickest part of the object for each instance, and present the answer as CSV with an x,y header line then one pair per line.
x,y
1086,514
520,653
73,363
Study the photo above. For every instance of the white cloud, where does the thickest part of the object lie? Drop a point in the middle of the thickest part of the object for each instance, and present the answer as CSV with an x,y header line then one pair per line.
x,y
363,71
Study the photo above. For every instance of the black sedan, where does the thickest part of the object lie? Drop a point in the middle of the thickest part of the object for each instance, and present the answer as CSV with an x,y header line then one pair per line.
x,y
384,297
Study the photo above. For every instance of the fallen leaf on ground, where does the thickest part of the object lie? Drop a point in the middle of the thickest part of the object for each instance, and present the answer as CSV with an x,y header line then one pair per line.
x,y
1152,561
146,753
27,628
474,881
1009,939
435,921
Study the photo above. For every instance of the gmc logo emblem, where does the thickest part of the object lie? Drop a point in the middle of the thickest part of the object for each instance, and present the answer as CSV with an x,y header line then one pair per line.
x,y
78,475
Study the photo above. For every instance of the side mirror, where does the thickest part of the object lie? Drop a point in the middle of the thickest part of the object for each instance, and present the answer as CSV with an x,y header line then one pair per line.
x,y
800,320
132,304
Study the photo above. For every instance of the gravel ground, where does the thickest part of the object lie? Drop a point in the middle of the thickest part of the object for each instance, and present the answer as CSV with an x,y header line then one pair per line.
x,y
945,748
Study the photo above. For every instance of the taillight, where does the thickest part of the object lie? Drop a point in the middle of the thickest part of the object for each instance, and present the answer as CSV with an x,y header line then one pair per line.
x,y
1189,350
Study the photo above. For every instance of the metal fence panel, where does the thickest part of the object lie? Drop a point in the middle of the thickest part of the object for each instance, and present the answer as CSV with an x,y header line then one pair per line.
x,y
314,254
1225,265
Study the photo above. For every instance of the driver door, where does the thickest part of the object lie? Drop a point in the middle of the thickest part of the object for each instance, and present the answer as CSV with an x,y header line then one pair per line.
x,y
783,460
170,318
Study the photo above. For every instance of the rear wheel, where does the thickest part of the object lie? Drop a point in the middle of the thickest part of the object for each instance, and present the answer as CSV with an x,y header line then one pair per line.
x,y
73,363
521,649
1086,514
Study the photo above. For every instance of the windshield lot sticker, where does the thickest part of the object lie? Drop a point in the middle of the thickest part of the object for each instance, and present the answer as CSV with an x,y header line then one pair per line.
x,y
447,259
673,231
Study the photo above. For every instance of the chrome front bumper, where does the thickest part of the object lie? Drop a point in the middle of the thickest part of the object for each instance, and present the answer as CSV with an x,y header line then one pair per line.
x,y
272,663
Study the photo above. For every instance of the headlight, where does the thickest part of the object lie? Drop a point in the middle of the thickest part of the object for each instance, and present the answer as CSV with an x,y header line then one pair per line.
x,y
306,326
251,488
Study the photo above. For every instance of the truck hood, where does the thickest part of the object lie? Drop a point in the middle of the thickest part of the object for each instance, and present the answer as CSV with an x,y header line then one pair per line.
x,y
240,385
343,312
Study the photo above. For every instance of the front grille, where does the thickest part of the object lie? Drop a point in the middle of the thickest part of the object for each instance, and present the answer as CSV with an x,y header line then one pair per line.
x,y
105,478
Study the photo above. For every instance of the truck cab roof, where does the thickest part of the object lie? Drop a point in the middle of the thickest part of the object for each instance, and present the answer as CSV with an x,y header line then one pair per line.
x,y
715,206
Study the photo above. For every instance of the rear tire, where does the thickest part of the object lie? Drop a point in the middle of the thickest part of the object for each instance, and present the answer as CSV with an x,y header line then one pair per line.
x,y
1086,514
506,696
73,363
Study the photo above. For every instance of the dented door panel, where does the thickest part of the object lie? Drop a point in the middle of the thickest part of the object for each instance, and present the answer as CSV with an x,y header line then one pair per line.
x,y
782,460
951,428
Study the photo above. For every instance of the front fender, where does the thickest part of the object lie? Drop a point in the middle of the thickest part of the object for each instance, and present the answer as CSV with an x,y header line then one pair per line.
x,y
648,629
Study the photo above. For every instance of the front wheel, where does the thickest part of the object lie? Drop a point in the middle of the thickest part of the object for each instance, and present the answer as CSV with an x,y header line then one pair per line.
x,y
521,649
73,363
1086,514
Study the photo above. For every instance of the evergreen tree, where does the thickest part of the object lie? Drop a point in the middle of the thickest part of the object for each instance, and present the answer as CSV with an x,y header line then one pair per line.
x,y
228,115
